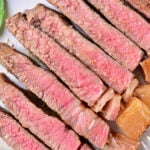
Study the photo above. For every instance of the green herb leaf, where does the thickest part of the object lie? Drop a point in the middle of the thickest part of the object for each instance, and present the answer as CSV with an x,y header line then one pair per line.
x,y
2,12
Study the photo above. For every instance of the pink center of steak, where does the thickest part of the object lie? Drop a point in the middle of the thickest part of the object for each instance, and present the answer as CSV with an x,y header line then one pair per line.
x,y
16,136
49,129
56,27
84,83
57,97
106,36
126,20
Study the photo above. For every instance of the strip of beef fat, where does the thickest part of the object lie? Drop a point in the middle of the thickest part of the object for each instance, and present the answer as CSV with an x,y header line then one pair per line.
x,y
55,26
82,81
106,36
126,20
46,86
49,129
15,136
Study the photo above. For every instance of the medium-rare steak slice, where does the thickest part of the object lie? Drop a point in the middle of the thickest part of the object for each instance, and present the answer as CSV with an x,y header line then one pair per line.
x,y
141,5
46,86
49,129
126,20
82,81
106,36
15,136
56,27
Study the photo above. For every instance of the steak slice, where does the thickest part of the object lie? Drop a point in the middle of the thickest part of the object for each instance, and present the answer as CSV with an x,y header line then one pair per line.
x,y
141,5
126,20
45,85
83,82
102,33
15,136
49,129
55,26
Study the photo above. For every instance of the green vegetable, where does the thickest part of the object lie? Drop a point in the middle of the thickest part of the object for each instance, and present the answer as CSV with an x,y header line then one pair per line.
x,y
2,12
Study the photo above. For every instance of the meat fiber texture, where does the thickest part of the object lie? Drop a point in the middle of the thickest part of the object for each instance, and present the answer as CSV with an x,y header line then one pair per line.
x,y
15,136
142,6
49,129
45,85
106,36
56,27
82,81
126,20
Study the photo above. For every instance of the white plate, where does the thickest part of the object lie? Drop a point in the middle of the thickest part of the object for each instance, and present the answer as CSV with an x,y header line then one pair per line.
x,y
14,6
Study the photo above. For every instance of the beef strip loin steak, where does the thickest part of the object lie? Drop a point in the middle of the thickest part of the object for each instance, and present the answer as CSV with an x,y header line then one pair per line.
x,y
82,81
55,26
16,136
126,20
106,36
49,129
46,86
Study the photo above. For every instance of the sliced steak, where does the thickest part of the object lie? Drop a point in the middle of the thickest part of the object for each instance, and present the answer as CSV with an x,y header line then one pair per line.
x,y
141,5
126,20
56,27
45,85
15,136
83,82
49,129
110,39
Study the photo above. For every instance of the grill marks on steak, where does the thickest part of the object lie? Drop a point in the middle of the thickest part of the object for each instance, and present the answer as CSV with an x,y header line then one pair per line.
x,y
126,20
83,82
15,136
106,36
56,27
56,96
49,129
